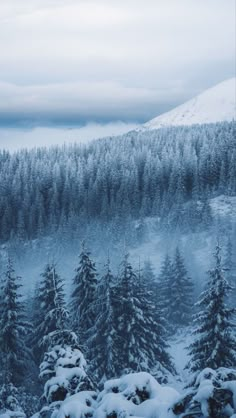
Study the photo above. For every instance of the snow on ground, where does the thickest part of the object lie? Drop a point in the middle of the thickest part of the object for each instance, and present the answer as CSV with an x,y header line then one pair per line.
x,y
178,344
213,105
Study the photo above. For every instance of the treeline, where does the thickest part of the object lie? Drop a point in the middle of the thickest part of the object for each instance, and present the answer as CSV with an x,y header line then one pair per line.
x,y
120,323
170,173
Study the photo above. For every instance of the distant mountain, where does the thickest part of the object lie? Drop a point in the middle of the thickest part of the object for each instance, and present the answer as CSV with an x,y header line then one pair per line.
x,y
216,104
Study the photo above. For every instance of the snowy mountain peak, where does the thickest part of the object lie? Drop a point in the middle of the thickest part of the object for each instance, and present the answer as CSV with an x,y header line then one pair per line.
x,y
213,105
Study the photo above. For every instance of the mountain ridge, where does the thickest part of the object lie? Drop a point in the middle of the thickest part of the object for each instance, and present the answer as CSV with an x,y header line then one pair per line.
x,y
216,104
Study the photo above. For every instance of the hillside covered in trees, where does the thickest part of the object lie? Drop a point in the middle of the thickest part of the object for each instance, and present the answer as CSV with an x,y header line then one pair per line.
x,y
169,173
96,337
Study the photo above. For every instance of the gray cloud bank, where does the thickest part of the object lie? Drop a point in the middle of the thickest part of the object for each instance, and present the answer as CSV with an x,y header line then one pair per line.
x,y
13,139
73,61
73,103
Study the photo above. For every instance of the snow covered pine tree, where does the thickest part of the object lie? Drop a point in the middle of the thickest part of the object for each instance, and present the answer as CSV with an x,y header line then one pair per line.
x,y
83,298
103,352
181,299
13,329
215,342
52,313
14,354
140,340
63,365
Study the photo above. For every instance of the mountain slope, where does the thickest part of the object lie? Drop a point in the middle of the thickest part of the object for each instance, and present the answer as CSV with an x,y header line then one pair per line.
x,y
216,104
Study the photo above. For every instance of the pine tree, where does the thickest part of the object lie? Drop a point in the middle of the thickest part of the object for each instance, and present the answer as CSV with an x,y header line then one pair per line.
x,y
181,299
215,343
149,277
52,325
103,353
13,329
157,291
230,270
62,365
140,339
153,326
64,370
165,288
206,213
83,299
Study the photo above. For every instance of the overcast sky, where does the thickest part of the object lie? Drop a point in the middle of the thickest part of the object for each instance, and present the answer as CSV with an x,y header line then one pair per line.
x,y
70,62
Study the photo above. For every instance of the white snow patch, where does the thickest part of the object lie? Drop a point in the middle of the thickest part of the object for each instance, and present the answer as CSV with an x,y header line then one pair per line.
x,y
179,353
213,105
122,396
77,406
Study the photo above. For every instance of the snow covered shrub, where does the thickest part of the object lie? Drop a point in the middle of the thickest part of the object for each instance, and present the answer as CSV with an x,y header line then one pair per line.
x,y
9,401
135,394
80,405
64,367
17,402
29,403
213,395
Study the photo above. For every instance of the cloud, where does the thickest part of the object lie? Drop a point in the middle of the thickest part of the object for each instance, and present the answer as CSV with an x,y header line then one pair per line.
x,y
13,139
132,59
77,102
